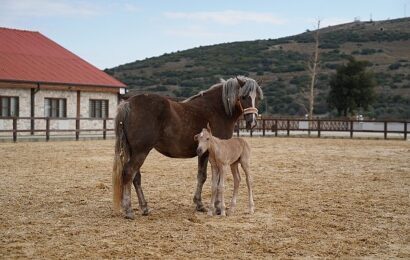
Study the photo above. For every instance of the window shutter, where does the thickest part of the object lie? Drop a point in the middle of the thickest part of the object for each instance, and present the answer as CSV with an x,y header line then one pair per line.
x,y
47,107
104,108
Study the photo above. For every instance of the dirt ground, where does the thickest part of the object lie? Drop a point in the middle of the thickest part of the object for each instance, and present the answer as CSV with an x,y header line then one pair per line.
x,y
313,197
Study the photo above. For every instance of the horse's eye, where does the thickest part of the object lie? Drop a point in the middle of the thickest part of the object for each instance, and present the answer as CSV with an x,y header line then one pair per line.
x,y
207,139
243,98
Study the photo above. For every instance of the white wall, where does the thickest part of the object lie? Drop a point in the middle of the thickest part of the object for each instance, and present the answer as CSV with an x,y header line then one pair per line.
x,y
71,97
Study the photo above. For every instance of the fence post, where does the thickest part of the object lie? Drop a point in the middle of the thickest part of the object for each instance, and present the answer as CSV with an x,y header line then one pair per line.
x,y
104,129
237,128
47,128
276,127
14,129
405,130
263,127
318,128
77,129
385,129
287,126
351,129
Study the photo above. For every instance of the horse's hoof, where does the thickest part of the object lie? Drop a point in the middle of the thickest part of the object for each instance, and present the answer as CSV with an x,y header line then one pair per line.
x,y
218,211
200,208
146,211
130,215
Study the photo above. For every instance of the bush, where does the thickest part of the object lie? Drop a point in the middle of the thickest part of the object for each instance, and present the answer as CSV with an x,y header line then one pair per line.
x,y
394,66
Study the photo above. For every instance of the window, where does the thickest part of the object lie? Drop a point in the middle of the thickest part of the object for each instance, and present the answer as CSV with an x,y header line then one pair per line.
x,y
55,107
9,106
98,108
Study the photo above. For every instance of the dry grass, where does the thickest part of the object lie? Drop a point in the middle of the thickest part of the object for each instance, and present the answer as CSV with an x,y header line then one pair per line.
x,y
314,198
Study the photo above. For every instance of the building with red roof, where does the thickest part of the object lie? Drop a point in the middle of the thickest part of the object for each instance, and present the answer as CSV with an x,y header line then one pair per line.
x,y
40,78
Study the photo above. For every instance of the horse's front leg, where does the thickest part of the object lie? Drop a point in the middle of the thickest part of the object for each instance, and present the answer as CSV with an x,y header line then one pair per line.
x,y
201,178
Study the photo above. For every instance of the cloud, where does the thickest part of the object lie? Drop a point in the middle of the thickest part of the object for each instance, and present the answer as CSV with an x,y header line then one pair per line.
x,y
228,17
194,32
61,8
48,8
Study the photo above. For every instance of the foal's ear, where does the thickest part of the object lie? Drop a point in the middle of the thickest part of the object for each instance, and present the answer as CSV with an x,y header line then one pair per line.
x,y
208,127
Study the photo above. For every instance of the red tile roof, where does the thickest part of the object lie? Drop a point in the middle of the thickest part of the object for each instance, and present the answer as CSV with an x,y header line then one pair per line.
x,y
31,57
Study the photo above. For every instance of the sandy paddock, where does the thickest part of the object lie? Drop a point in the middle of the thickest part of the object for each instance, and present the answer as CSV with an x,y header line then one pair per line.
x,y
313,198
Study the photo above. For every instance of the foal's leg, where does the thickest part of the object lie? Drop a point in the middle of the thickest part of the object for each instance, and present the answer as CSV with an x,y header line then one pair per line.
x,y
214,190
201,178
221,188
245,166
236,181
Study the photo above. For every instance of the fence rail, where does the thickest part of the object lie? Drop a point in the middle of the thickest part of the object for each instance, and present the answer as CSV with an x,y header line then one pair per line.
x,y
275,125
47,130
266,126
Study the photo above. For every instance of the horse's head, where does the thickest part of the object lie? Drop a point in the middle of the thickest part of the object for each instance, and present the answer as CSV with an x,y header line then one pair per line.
x,y
249,95
203,139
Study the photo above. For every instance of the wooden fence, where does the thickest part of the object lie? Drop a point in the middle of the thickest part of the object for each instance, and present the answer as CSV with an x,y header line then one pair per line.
x,y
265,127
318,126
76,130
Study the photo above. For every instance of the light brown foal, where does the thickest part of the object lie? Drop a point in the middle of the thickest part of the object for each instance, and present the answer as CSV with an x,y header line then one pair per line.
x,y
222,154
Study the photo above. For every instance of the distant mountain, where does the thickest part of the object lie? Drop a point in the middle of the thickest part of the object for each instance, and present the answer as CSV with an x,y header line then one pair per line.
x,y
281,64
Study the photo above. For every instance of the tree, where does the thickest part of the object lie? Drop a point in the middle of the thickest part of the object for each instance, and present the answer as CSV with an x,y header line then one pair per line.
x,y
313,67
351,88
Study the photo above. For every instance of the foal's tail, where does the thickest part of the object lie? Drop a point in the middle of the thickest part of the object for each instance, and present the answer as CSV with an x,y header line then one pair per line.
x,y
122,153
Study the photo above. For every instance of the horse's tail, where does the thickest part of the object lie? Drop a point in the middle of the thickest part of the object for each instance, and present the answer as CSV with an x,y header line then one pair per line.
x,y
122,153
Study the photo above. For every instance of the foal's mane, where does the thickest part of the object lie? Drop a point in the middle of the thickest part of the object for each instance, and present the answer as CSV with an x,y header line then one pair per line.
x,y
231,91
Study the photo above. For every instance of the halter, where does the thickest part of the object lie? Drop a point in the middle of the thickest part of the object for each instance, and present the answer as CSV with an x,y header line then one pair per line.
x,y
249,110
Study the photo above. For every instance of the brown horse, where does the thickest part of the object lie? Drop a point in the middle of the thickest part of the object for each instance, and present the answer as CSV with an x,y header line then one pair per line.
x,y
150,121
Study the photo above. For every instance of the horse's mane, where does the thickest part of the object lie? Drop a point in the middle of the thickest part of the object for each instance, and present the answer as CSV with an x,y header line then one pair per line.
x,y
231,91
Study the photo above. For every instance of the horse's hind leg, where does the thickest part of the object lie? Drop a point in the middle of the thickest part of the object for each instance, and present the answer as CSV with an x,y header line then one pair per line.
x,y
236,181
245,166
126,195
131,170
140,194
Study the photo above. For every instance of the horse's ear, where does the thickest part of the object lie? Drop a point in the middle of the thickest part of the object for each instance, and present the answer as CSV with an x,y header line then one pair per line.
x,y
208,127
241,82
196,137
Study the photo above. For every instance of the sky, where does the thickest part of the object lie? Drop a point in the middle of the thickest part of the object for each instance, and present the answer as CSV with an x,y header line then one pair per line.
x,y
110,33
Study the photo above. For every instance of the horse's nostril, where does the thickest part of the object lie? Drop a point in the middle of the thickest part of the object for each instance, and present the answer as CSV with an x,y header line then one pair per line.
x,y
198,151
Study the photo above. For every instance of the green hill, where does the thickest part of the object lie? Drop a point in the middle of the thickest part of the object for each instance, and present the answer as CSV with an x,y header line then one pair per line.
x,y
281,65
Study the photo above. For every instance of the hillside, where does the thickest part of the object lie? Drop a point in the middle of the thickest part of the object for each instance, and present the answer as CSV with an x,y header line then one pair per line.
x,y
281,64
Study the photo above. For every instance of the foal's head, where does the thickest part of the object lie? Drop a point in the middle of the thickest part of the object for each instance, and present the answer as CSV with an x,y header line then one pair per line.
x,y
203,139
